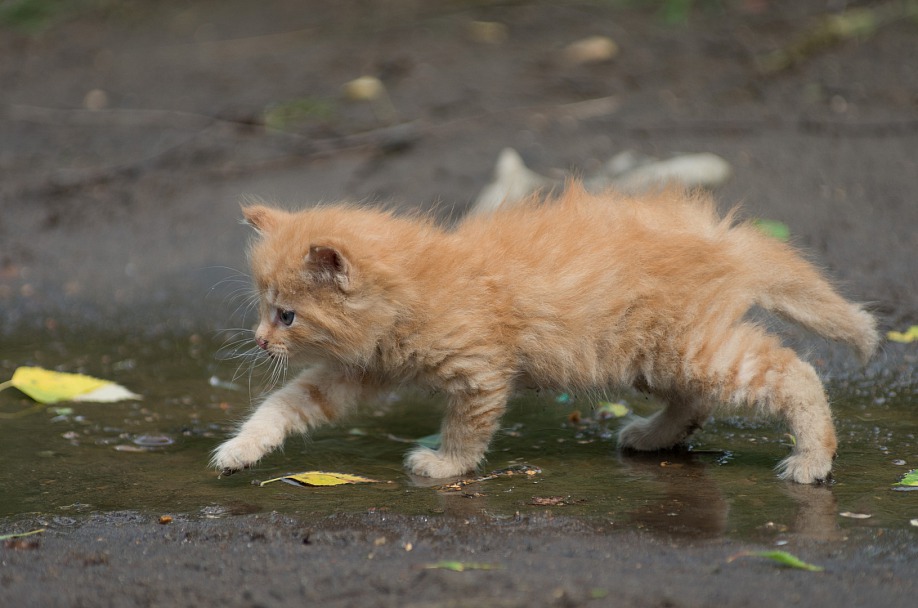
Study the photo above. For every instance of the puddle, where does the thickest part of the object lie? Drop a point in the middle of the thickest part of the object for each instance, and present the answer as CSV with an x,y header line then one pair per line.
x,y
151,456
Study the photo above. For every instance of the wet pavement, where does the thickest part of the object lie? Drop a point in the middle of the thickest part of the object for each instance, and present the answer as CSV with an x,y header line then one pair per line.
x,y
68,460
121,257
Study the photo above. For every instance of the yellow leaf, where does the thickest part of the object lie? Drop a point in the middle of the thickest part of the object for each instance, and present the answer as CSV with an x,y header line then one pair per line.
x,y
909,335
605,409
47,386
321,478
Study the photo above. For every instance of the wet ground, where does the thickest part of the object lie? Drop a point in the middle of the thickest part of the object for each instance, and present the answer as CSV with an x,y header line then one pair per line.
x,y
72,459
119,247
101,479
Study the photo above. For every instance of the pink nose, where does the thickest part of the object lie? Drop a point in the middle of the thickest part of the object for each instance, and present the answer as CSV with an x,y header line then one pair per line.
x,y
262,343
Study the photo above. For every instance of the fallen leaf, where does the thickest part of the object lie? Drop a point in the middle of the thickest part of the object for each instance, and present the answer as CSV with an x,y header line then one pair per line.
x,y
547,501
281,116
430,441
605,409
321,478
461,566
909,335
555,501
910,479
516,469
834,29
165,519
46,386
598,593
782,557
21,534
851,515
773,228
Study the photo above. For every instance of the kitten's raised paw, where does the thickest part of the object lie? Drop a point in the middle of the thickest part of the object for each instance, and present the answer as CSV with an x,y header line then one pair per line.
x,y
433,463
806,467
235,455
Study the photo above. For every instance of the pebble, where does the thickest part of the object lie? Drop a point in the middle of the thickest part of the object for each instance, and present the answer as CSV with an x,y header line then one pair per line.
x,y
595,49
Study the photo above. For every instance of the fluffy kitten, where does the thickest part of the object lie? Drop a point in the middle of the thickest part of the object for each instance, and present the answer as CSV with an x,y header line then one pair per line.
x,y
580,292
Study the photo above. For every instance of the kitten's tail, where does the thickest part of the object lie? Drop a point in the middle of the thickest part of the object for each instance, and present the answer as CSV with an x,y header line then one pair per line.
x,y
793,288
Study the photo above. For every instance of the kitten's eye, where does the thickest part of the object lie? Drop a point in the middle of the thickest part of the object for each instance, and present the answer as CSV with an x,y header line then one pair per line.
x,y
286,316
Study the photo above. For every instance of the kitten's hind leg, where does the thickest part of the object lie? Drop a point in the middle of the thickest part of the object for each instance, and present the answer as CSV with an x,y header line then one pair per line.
x,y
314,397
751,368
471,420
667,428
800,399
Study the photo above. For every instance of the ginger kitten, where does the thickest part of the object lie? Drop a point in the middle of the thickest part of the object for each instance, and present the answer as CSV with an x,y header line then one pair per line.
x,y
580,292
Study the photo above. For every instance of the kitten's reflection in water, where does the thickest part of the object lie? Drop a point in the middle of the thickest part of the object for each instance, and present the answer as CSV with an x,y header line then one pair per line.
x,y
692,504
683,499
695,504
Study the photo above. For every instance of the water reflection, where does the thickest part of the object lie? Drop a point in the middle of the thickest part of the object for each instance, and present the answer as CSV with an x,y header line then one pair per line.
x,y
152,456
692,502
817,511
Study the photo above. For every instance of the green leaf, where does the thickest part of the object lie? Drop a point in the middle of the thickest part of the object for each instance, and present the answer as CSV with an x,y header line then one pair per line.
x,y
782,557
430,441
462,566
321,478
773,228
295,112
598,593
46,386
910,479
21,534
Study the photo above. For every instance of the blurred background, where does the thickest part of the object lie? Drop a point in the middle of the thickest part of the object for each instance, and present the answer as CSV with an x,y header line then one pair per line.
x,y
130,132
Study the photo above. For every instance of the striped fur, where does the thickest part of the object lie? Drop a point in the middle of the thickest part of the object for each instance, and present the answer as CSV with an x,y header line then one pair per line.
x,y
586,291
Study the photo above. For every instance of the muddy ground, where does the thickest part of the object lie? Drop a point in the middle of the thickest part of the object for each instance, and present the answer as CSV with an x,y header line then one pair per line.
x,y
130,133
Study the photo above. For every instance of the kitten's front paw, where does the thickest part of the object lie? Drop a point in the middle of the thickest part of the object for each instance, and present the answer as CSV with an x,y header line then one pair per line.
x,y
433,463
235,455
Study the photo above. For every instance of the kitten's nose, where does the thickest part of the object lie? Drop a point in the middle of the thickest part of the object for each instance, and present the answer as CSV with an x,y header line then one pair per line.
x,y
263,343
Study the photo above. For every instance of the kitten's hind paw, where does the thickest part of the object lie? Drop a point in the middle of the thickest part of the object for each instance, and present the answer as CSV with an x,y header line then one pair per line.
x,y
651,434
434,463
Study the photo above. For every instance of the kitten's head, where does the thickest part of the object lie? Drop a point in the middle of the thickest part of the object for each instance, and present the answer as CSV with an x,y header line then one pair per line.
x,y
323,294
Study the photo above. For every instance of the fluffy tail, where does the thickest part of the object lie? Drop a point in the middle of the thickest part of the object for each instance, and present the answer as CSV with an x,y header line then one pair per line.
x,y
793,288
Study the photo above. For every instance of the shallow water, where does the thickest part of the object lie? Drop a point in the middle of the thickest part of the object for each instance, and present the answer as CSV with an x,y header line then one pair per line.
x,y
60,462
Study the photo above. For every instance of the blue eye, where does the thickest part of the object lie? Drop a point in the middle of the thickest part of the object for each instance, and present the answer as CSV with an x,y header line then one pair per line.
x,y
286,316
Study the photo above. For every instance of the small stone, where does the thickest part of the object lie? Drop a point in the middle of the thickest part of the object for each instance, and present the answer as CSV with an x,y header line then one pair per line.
x,y
595,49
96,99
488,32
365,88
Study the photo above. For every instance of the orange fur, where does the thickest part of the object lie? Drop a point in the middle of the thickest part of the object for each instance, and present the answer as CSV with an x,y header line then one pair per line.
x,y
580,292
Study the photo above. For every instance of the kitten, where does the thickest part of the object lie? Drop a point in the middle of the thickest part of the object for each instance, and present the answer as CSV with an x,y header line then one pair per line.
x,y
580,292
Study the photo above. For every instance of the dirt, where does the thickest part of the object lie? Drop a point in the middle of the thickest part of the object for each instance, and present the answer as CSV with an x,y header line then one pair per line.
x,y
130,134
374,559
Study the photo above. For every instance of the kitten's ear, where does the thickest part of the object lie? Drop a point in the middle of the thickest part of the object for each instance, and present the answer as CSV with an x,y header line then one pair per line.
x,y
329,264
262,219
